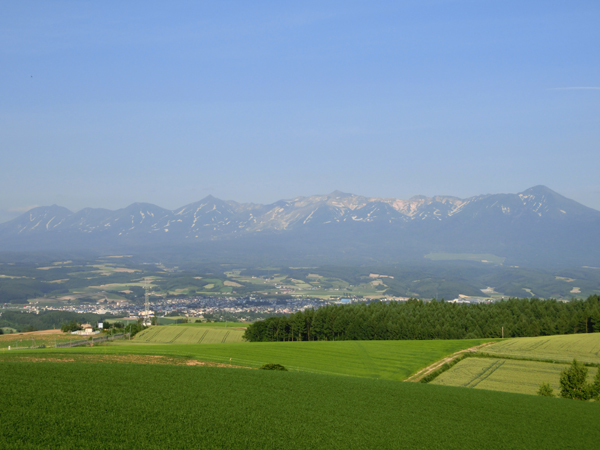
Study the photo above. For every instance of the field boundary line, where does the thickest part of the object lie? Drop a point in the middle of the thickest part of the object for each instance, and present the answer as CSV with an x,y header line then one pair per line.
x,y
526,358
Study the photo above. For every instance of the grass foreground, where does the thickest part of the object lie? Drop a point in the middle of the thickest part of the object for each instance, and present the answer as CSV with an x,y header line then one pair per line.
x,y
122,406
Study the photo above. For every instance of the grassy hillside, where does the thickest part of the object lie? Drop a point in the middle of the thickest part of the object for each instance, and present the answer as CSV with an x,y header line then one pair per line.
x,y
584,347
392,360
190,335
494,374
73,405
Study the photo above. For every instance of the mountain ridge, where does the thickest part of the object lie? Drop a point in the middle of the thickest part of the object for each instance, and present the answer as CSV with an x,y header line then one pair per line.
x,y
526,226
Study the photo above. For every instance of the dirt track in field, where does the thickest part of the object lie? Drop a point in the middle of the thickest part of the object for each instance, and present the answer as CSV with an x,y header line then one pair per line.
x,y
418,376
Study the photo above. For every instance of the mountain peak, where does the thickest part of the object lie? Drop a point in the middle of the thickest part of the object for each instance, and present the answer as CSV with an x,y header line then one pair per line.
x,y
539,189
211,199
338,194
142,205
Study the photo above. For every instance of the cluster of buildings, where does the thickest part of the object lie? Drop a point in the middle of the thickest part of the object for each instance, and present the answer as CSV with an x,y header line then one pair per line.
x,y
86,330
246,307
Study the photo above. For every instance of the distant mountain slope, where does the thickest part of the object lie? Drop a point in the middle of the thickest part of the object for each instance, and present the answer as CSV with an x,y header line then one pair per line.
x,y
535,227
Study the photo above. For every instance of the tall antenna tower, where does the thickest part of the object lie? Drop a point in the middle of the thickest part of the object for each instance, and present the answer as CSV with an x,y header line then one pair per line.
x,y
147,322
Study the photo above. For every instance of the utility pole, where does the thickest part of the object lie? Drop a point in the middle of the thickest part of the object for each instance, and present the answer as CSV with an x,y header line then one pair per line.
x,y
502,332
147,321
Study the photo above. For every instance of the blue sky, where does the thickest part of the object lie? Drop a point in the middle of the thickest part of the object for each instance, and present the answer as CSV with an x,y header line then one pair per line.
x,y
106,103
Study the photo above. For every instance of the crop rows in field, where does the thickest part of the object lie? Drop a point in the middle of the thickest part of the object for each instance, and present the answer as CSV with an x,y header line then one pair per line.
x,y
197,407
237,325
189,335
523,377
584,347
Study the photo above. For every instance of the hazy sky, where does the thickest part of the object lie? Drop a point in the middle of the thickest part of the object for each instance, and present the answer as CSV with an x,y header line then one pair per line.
x,y
107,103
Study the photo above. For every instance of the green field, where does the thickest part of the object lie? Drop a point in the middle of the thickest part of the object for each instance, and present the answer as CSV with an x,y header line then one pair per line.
x,y
392,360
213,324
123,406
190,335
584,347
523,377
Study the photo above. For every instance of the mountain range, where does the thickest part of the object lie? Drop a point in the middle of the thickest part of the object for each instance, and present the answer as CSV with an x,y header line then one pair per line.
x,y
536,227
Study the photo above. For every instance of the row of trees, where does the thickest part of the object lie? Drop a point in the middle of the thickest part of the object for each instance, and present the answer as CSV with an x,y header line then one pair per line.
x,y
415,319
71,326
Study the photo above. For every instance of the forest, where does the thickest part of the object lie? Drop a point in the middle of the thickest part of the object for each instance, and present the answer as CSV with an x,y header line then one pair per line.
x,y
415,319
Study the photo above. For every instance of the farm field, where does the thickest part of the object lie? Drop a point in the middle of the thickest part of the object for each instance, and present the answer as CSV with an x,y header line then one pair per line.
x,y
239,325
35,339
523,377
190,335
584,347
391,360
209,408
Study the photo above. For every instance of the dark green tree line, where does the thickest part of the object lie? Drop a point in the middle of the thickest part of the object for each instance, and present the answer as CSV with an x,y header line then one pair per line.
x,y
415,319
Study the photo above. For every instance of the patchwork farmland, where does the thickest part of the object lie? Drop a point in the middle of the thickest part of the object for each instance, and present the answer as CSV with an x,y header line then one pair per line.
x,y
307,406
522,377
527,363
